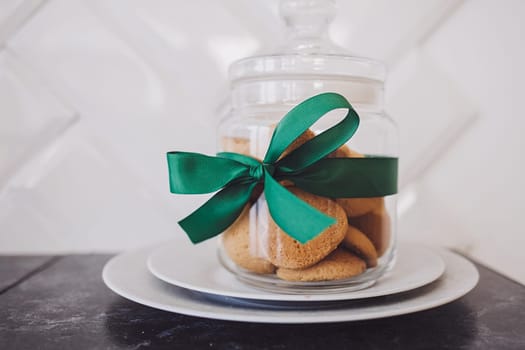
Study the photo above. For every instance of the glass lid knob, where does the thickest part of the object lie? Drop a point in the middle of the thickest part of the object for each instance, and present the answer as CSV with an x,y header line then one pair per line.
x,y
308,50
307,24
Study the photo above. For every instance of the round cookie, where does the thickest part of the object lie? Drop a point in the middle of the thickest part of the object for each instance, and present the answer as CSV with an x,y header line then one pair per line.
x,y
339,264
357,242
360,206
237,243
284,251
376,226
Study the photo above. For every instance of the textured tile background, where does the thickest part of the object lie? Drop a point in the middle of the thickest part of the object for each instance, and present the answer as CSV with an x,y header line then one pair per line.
x,y
92,94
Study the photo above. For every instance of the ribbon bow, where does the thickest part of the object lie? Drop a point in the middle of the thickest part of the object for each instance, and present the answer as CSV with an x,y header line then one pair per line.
x,y
236,175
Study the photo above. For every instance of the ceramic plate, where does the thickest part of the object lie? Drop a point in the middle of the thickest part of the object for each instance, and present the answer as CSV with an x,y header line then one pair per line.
x,y
197,267
128,276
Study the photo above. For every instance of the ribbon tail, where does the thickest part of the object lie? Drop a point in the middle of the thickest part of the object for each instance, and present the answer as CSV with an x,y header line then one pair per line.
x,y
298,219
218,213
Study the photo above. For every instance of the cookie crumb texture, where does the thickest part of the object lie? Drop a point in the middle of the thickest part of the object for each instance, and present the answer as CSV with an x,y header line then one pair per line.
x,y
340,264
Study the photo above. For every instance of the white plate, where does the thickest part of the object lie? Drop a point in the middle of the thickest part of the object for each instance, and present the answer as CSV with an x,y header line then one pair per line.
x,y
198,268
128,276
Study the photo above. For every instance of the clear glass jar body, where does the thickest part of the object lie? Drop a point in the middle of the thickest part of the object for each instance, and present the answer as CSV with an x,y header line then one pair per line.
x,y
351,254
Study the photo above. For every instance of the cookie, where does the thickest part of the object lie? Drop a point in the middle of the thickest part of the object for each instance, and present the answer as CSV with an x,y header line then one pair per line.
x,y
241,246
284,251
339,264
376,226
357,242
236,144
360,206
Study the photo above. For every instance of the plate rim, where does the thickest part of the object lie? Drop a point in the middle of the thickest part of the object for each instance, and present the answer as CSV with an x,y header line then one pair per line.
x,y
308,316
258,294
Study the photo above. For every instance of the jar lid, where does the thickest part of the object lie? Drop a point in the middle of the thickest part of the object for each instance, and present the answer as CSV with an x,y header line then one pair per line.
x,y
308,52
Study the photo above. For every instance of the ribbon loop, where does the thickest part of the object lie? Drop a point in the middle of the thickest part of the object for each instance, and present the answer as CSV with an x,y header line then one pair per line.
x,y
236,175
193,173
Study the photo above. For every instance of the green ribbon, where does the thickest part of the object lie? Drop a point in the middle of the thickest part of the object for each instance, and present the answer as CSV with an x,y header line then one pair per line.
x,y
235,176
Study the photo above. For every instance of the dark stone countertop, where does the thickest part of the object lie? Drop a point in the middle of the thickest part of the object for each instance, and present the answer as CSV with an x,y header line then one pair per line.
x,y
62,303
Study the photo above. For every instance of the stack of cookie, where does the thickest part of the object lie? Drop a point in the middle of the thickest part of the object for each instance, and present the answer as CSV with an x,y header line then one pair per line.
x,y
354,243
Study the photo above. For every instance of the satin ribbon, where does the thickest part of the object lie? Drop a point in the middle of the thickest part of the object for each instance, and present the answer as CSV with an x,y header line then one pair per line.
x,y
235,176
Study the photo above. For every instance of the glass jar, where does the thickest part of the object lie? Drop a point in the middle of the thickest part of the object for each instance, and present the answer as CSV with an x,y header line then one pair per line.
x,y
358,249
